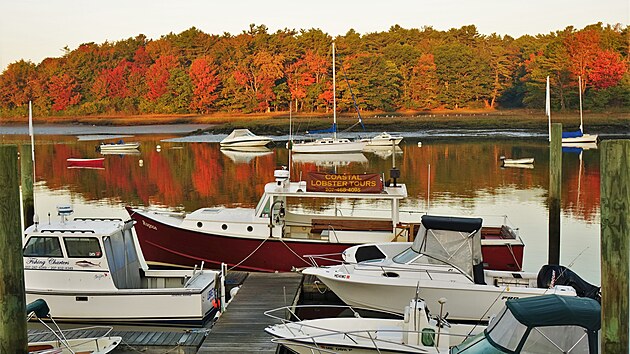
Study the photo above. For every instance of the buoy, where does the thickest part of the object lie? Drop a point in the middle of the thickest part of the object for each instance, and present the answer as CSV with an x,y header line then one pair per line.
x,y
234,291
419,143
140,163
158,148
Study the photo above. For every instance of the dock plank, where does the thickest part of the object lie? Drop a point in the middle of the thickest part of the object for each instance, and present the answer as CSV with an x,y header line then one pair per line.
x,y
241,328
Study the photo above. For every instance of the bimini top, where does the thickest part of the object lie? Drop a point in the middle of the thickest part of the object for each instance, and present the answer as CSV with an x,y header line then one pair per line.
x,y
555,310
451,223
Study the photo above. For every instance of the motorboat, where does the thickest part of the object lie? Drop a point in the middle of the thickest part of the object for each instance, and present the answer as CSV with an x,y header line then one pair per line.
x,y
244,138
91,163
91,270
279,233
68,341
445,260
383,139
118,146
329,145
417,332
543,324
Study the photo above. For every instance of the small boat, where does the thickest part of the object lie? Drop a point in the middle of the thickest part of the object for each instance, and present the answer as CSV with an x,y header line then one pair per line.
x,y
521,161
542,324
95,163
417,332
278,234
244,138
68,341
571,138
383,139
445,260
91,270
118,146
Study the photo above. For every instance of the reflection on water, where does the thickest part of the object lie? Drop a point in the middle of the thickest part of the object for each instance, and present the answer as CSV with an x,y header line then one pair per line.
x,y
465,177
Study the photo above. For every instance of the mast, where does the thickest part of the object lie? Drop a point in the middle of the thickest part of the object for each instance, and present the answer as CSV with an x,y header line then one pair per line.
x,y
334,95
548,107
580,91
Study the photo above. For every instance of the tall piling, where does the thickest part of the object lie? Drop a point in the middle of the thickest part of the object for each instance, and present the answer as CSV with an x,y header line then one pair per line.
x,y
615,244
13,337
555,187
26,177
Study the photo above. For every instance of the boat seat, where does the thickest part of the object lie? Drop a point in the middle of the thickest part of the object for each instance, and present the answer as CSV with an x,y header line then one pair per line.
x,y
319,225
496,233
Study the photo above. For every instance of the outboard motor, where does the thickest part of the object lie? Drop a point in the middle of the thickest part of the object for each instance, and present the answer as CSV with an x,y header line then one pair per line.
x,y
551,275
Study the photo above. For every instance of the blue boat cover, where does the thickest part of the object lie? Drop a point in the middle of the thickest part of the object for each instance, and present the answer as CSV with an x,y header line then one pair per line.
x,y
321,131
575,134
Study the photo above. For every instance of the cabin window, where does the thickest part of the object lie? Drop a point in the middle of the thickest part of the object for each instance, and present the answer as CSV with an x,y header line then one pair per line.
x,y
83,247
263,207
43,247
556,339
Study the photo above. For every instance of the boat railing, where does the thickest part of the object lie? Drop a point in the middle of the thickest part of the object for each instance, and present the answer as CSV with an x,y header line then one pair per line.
x,y
327,257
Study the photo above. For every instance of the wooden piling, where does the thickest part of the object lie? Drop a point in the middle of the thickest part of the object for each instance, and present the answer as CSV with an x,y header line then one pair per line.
x,y
555,187
615,244
13,337
26,177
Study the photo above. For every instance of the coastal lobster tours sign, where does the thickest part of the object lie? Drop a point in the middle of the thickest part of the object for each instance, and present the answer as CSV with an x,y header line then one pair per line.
x,y
344,183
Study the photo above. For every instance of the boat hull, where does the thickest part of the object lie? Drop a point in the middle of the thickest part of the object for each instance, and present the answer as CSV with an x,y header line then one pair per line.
x,y
322,148
80,345
585,138
98,163
246,143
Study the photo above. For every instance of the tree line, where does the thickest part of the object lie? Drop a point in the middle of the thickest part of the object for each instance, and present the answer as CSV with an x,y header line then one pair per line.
x,y
256,71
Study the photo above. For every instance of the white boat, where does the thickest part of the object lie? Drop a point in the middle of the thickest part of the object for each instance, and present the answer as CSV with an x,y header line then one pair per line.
x,y
245,138
383,139
417,332
90,270
68,341
542,324
574,137
334,144
521,161
118,146
444,261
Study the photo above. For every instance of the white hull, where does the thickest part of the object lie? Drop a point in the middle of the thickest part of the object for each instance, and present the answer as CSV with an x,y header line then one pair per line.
x,y
81,345
529,160
246,143
244,138
584,139
323,146
119,147
393,293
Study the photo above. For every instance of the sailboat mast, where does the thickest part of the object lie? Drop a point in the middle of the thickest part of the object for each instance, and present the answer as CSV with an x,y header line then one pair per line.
x,y
580,91
334,95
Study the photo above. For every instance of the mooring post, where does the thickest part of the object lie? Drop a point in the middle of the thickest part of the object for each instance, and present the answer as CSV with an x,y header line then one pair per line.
x,y
13,337
26,177
555,187
615,244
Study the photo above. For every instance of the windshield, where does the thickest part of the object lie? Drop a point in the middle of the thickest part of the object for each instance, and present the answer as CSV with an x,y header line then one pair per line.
x,y
507,331
406,256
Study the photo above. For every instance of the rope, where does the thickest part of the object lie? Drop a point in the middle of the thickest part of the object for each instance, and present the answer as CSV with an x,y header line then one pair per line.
x,y
246,258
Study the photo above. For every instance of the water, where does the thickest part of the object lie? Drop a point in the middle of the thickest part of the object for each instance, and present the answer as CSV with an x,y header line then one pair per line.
x,y
453,174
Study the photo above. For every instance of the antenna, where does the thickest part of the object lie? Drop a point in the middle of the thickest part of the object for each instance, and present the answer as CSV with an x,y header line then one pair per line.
x,y
428,187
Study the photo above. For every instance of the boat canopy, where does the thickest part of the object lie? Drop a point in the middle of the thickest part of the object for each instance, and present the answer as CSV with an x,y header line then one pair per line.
x,y
236,133
555,310
454,240
573,134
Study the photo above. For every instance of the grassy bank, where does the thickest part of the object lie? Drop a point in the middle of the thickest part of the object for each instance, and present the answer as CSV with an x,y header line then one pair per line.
x,y
278,123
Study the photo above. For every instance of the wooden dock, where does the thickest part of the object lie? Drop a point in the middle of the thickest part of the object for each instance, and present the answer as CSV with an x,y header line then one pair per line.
x,y
241,328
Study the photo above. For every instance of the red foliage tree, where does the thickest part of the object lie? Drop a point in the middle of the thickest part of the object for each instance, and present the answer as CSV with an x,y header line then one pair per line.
x,y
607,70
62,91
203,74
158,75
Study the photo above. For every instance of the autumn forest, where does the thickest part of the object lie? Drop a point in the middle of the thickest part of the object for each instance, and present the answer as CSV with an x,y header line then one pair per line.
x,y
256,71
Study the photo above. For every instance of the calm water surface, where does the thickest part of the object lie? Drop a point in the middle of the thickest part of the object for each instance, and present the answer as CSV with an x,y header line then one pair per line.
x,y
454,175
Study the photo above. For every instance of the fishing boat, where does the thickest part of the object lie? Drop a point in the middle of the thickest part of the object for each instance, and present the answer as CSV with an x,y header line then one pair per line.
x,y
334,144
383,139
68,341
245,138
571,137
279,233
91,270
417,332
543,324
94,163
445,260
118,146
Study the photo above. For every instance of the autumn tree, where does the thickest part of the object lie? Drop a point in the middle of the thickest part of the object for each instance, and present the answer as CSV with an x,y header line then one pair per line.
x,y
62,90
423,84
16,84
203,75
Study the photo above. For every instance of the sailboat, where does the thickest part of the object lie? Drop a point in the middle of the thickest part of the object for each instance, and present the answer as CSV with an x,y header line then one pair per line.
x,y
334,144
573,138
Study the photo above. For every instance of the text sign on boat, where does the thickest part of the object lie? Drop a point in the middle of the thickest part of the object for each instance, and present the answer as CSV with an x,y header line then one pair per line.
x,y
344,183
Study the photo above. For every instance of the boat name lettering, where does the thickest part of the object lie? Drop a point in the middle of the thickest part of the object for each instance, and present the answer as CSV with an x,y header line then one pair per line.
x,y
344,183
342,276
149,225
509,297
51,263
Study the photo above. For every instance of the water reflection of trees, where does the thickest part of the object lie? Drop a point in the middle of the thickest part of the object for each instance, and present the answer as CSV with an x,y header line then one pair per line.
x,y
198,175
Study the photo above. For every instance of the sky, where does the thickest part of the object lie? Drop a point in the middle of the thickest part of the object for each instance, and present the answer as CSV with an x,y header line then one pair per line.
x,y
37,29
